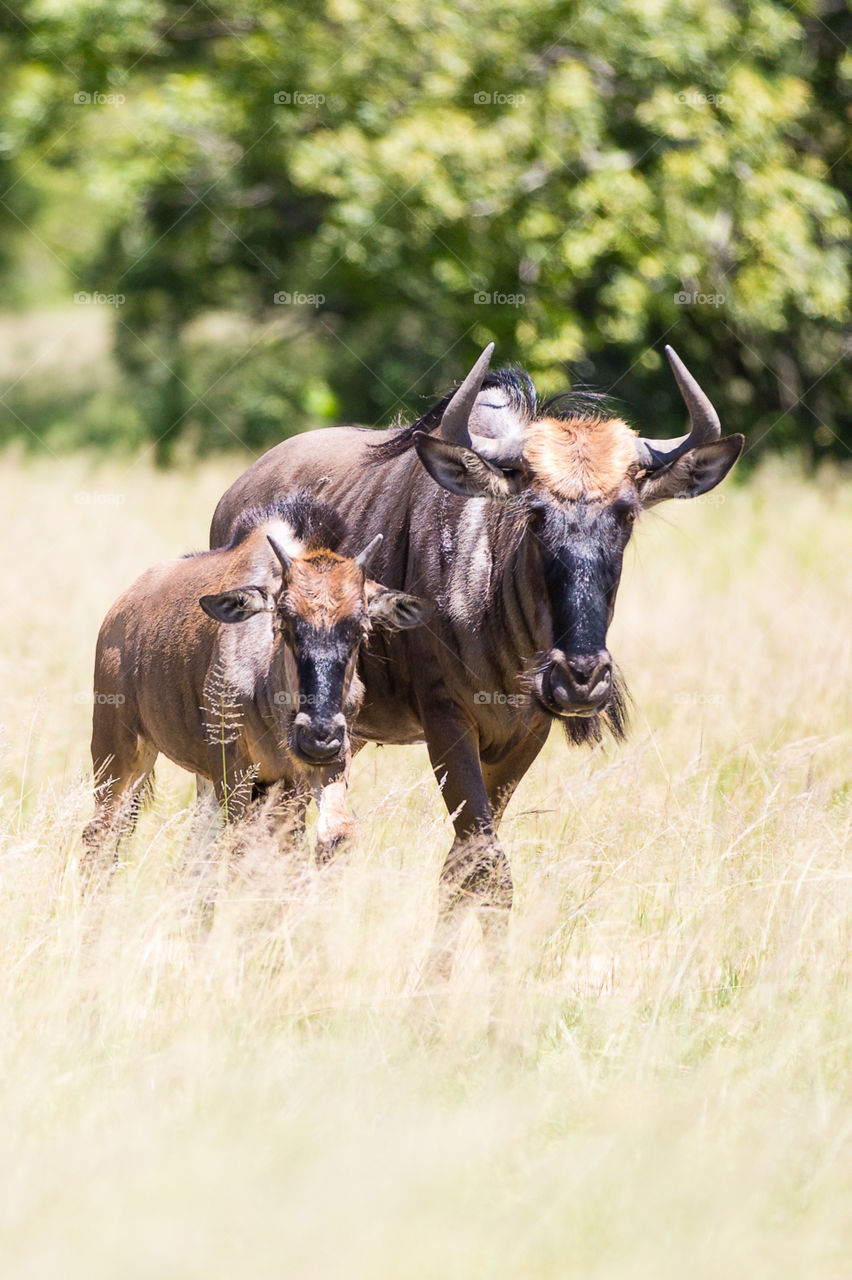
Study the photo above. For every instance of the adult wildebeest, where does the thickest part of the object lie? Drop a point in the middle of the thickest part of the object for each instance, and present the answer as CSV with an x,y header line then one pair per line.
x,y
263,698
513,516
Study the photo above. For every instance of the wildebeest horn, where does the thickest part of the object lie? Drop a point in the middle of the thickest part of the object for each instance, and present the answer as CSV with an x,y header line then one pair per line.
x,y
505,451
366,555
703,421
454,422
285,559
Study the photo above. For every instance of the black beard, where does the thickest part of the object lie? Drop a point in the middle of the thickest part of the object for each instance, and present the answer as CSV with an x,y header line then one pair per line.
x,y
587,731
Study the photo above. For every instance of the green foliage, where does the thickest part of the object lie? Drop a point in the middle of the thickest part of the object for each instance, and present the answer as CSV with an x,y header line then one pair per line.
x,y
578,182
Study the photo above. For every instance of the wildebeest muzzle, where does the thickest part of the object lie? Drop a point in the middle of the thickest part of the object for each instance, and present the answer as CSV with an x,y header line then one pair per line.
x,y
317,740
576,684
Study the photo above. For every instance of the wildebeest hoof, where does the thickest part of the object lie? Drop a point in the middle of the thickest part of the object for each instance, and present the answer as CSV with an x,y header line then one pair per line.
x,y
476,876
328,850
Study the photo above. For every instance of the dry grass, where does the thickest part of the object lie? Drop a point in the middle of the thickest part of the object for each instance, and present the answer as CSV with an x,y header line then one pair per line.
x,y
655,1081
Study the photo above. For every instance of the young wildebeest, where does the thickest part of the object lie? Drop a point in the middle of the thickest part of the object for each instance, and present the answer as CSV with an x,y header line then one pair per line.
x,y
513,516
239,665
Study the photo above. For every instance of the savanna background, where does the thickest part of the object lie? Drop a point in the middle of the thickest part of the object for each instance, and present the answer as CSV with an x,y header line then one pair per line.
x,y
224,223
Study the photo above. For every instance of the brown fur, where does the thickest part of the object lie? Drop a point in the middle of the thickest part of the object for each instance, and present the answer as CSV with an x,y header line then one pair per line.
x,y
581,457
324,588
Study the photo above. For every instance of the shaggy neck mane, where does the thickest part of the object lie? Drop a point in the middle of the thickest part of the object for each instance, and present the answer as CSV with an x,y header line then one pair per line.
x,y
314,524
514,396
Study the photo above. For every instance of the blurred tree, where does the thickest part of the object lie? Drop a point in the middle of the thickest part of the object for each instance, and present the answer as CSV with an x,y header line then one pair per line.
x,y
364,199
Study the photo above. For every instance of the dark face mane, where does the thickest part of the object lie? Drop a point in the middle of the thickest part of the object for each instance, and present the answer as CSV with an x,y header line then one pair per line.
x,y
513,396
315,525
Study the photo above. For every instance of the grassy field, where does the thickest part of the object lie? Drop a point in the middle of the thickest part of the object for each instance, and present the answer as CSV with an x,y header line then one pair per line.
x,y
657,1079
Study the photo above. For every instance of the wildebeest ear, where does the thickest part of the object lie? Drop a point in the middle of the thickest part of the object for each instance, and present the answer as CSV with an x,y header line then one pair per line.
x,y
236,606
694,473
395,609
462,471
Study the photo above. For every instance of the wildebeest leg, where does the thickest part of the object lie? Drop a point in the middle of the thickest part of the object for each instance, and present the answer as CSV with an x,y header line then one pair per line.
x,y
122,761
476,871
476,874
334,821
283,805
233,782
207,809
220,805
205,826
502,776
